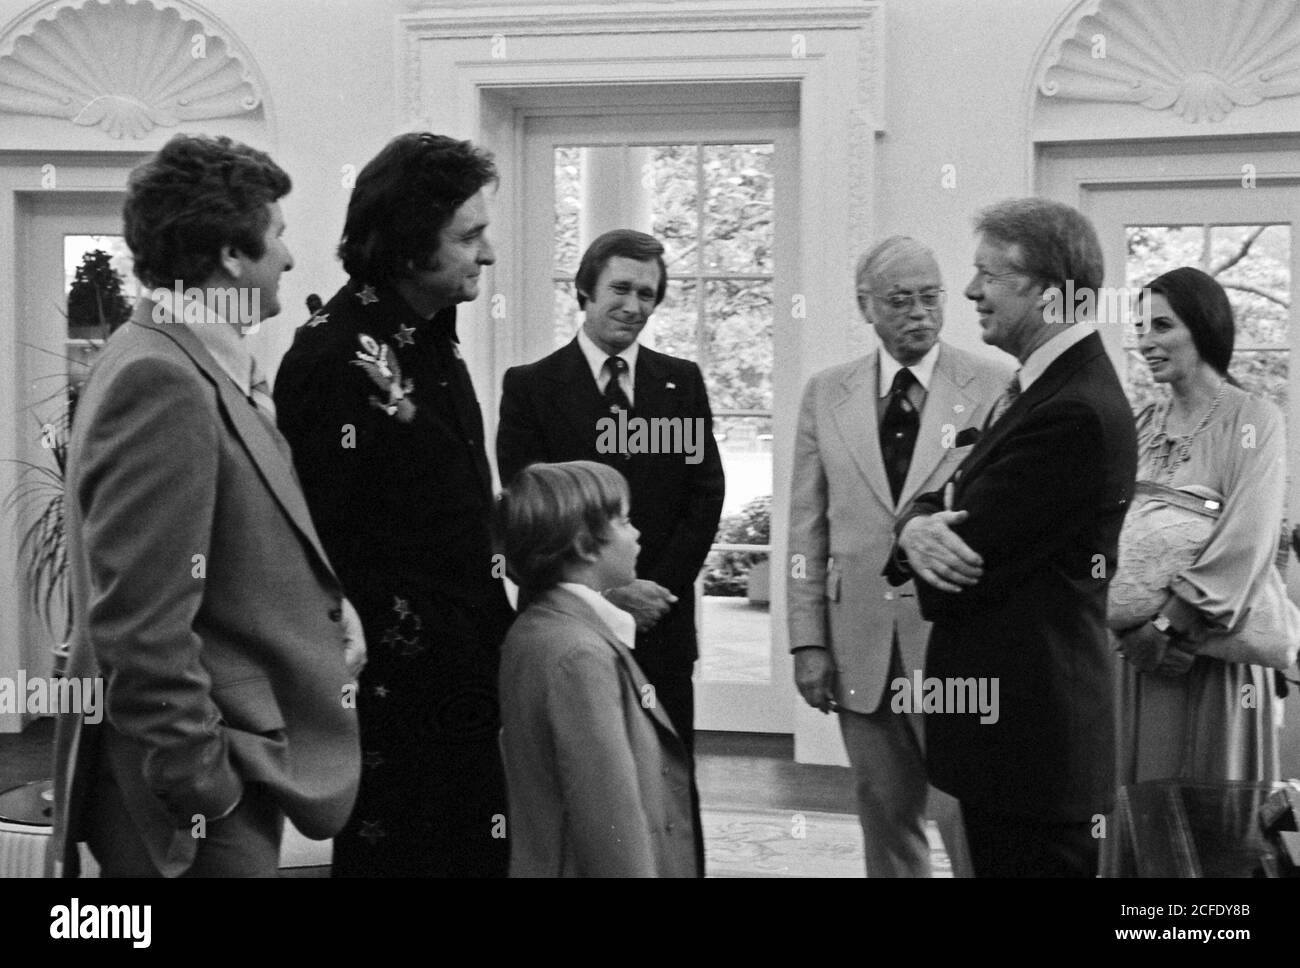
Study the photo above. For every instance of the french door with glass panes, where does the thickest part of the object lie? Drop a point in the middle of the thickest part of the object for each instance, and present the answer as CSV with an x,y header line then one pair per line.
x,y
1248,238
717,191
75,282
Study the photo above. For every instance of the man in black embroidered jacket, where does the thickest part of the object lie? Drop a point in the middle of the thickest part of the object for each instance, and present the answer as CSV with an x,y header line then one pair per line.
x,y
388,440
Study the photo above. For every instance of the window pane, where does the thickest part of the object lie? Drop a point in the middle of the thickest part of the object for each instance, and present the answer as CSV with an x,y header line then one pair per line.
x,y
672,328
737,584
738,371
1153,249
568,317
1253,263
99,282
738,208
1264,373
674,205
568,181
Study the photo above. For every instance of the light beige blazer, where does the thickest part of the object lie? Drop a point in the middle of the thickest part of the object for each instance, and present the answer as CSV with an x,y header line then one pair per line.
x,y
842,515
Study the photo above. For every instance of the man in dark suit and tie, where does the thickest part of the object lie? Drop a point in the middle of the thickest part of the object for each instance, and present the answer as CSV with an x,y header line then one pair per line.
x,y
1014,555
200,591
572,404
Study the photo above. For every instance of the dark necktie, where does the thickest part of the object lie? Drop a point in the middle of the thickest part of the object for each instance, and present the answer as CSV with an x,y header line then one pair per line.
x,y
898,431
614,396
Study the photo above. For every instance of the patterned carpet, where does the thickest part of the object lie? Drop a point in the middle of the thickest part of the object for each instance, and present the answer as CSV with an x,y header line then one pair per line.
x,y
781,843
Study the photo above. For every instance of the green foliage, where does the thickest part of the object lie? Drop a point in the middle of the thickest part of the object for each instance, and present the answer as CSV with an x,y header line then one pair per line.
x,y
726,573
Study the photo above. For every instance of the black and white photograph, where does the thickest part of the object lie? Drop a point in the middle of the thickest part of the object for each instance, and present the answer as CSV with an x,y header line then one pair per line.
x,y
765,440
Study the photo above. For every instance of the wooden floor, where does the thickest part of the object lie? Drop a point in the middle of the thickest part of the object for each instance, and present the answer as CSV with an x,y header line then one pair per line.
x,y
734,770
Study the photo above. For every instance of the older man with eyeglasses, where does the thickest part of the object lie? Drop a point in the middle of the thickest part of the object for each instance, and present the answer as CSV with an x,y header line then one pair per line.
x,y
873,434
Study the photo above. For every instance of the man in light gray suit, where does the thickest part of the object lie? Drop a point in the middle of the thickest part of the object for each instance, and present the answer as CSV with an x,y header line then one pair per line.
x,y
873,433
200,591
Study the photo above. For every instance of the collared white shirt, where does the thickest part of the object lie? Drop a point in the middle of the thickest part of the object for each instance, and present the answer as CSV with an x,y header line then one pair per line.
x,y
220,338
923,370
621,623
596,358
1047,354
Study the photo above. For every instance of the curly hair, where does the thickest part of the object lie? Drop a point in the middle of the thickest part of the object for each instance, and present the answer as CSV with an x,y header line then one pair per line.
x,y
404,198
193,198
552,512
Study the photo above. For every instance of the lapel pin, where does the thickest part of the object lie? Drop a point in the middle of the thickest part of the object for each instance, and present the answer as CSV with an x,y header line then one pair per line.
x,y
670,386
959,408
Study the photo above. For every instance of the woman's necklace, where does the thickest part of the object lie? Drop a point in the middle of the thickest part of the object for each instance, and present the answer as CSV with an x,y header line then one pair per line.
x,y
1181,451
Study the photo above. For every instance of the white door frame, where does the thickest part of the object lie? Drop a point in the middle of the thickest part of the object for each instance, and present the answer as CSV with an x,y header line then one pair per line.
x,y
726,706
469,71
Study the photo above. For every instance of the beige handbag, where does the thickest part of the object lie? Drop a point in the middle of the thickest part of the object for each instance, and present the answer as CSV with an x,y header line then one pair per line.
x,y
1164,532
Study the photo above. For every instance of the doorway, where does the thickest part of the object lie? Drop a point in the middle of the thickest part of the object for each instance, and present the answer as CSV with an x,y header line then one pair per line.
x,y
1232,211
717,189
74,285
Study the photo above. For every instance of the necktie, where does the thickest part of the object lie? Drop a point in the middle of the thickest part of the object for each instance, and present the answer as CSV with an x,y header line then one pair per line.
x,y
614,396
898,431
260,392
259,395
1009,396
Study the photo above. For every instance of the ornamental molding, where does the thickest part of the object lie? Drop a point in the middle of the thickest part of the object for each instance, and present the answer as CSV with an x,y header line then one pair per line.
x,y
127,66
1197,59
451,20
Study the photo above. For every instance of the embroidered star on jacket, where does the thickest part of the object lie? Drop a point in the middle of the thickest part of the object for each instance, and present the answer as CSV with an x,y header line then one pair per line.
x,y
367,295
405,335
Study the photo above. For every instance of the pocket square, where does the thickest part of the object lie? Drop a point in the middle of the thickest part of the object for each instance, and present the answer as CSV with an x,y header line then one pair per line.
x,y
968,436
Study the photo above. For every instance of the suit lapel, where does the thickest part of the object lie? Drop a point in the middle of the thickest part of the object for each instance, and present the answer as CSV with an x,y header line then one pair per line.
x,y
946,394
575,608
577,401
1045,387
856,419
653,392
273,467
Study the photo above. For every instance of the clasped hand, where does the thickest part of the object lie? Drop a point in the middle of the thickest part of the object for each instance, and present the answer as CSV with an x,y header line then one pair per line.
x,y
937,555
645,600
1150,650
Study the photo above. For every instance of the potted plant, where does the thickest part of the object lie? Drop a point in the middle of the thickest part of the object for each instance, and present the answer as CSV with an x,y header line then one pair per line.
x,y
97,306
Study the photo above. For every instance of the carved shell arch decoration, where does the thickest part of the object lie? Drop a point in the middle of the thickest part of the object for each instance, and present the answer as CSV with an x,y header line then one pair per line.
x,y
1201,59
125,66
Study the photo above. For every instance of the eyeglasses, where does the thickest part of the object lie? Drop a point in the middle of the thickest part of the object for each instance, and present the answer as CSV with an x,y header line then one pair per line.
x,y
904,301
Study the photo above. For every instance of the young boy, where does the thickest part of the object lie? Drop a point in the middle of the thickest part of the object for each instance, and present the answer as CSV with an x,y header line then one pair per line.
x,y
598,780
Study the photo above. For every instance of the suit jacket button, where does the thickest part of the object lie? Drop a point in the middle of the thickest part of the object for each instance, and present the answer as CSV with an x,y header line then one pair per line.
x,y
889,596
336,614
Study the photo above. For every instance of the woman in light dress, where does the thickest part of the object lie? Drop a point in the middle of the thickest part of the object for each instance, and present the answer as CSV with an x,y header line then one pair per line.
x,y
1183,715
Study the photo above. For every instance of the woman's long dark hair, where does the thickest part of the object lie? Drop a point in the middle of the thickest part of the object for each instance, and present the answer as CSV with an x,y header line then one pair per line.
x,y
1200,302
